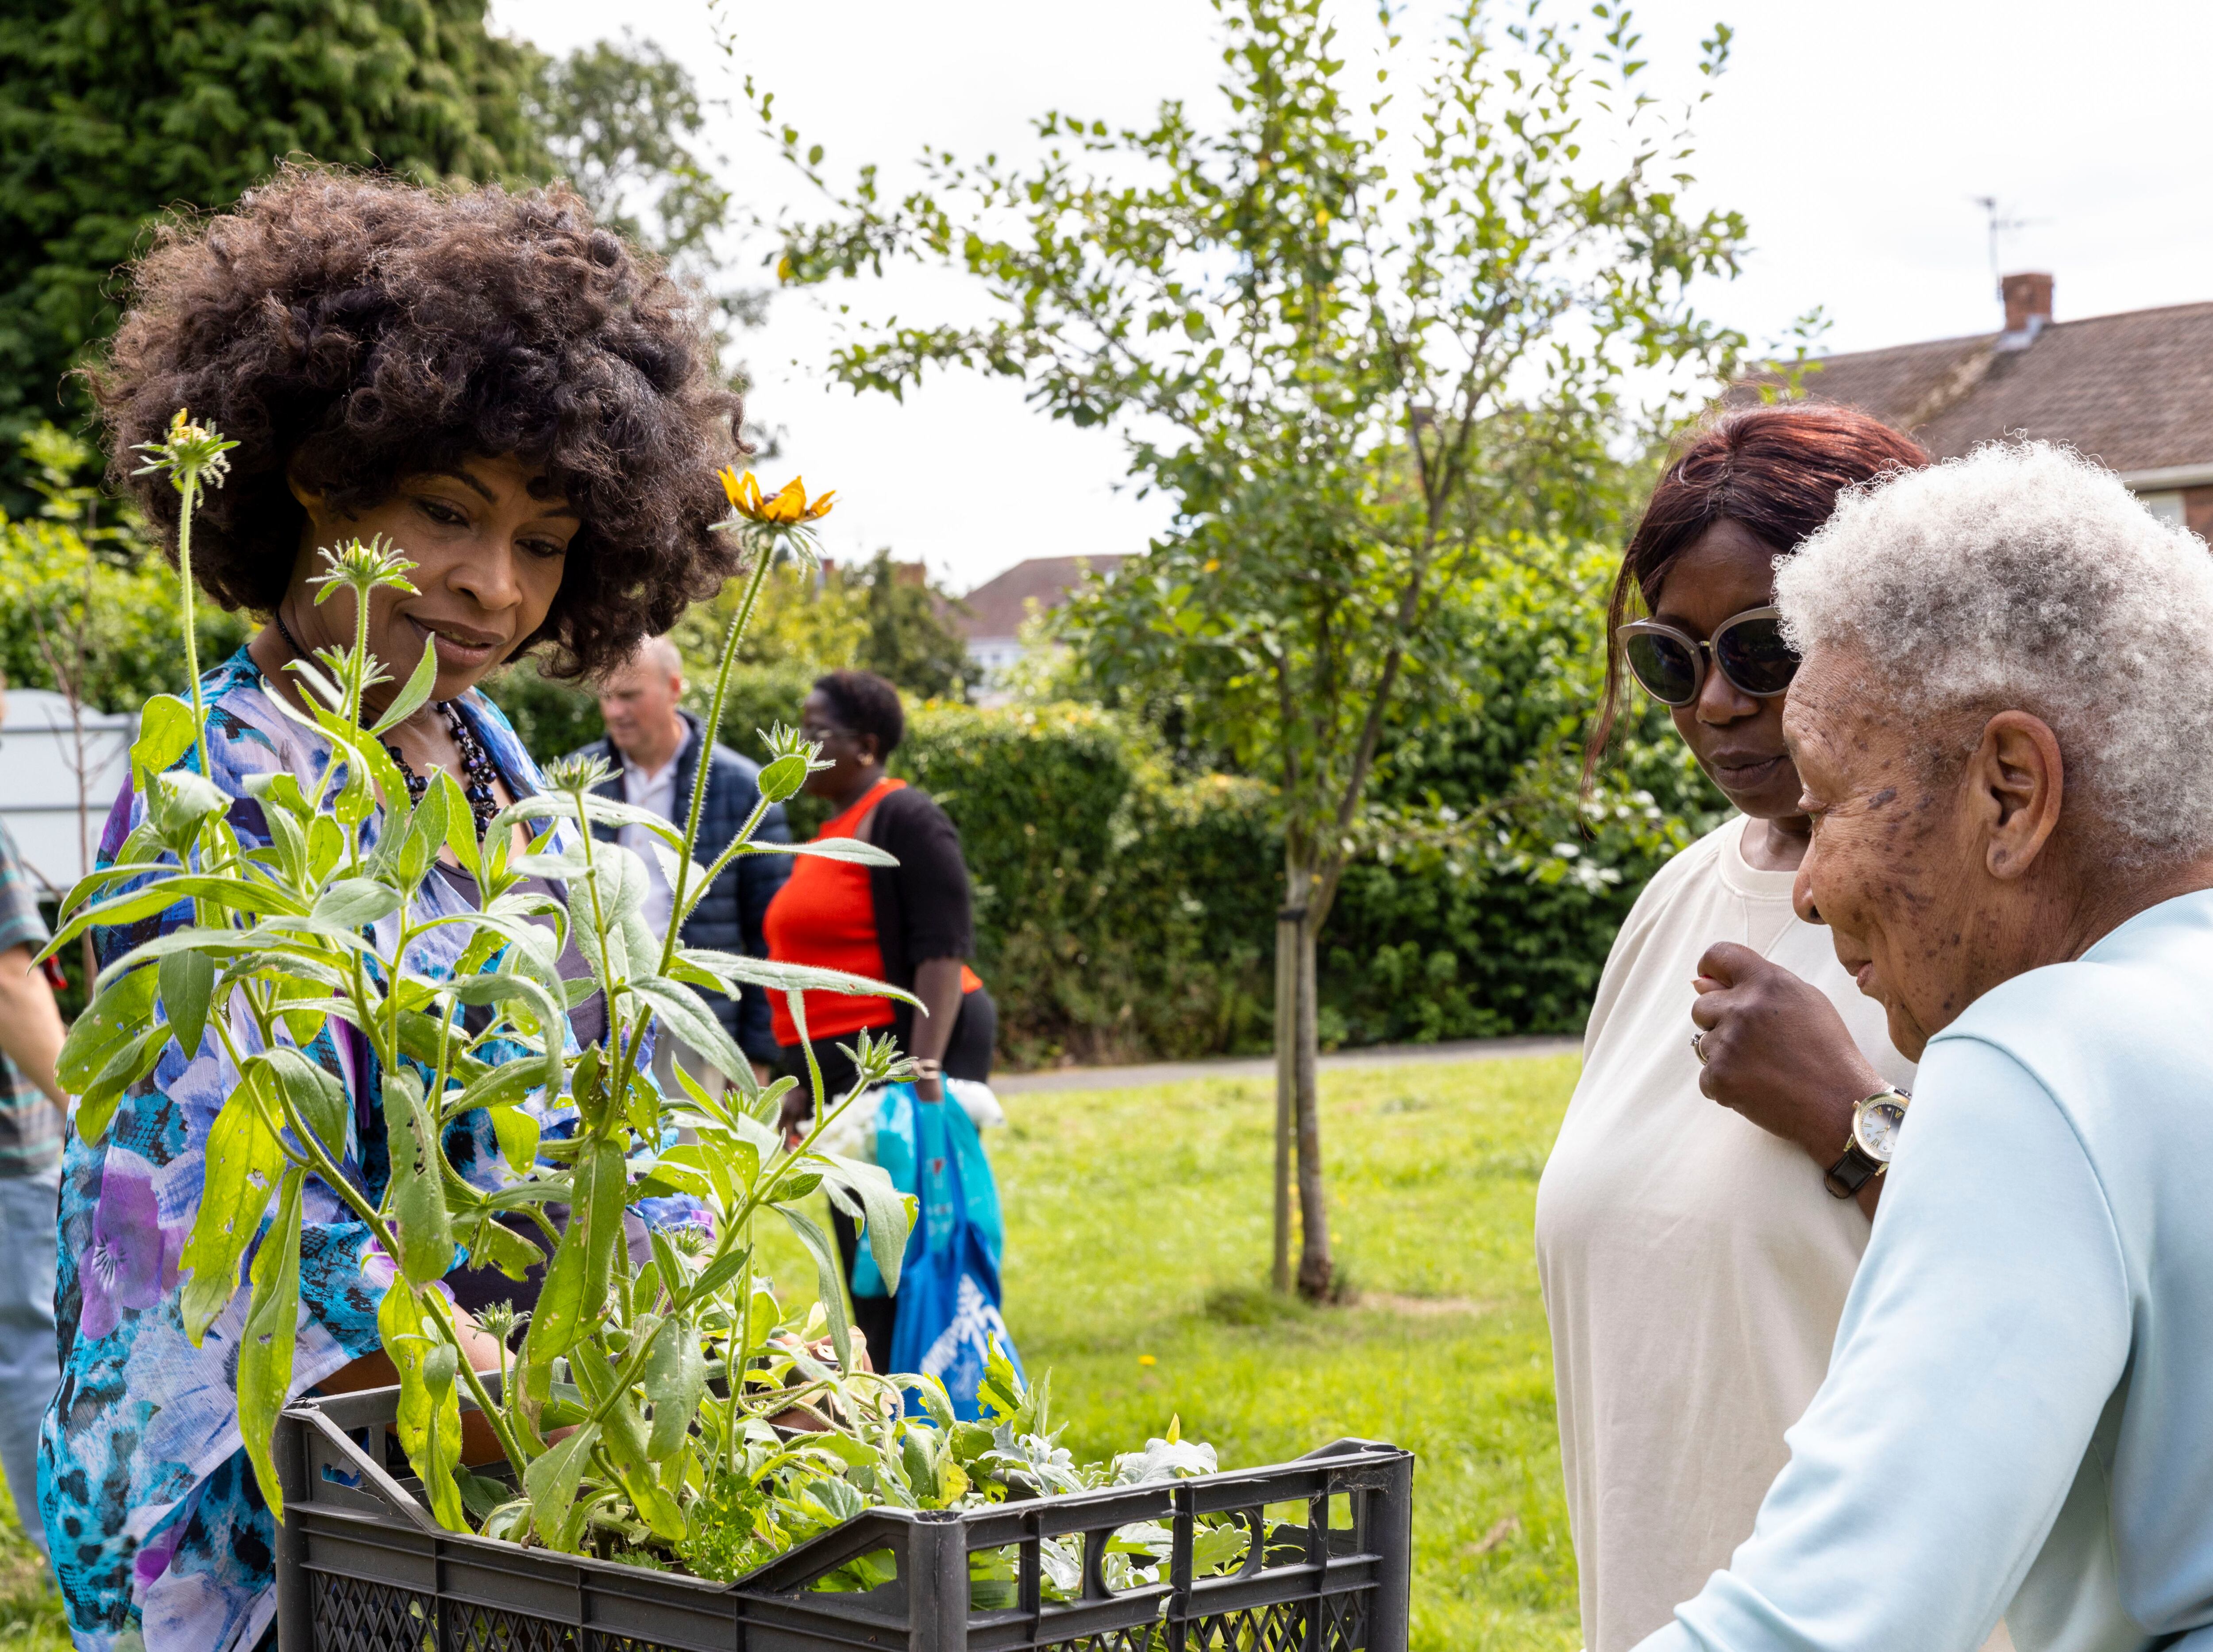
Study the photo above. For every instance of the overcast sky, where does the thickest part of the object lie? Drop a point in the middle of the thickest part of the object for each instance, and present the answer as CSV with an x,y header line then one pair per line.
x,y
1853,138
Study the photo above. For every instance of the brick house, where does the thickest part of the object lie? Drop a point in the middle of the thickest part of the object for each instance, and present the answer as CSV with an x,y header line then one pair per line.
x,y
997,609
2133,391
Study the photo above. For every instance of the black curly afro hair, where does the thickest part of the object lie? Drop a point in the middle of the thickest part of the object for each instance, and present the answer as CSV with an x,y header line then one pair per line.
x,y
354,330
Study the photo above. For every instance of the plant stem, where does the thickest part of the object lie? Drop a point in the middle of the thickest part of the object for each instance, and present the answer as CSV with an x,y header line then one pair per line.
x,y
741,1352
763,555
191,491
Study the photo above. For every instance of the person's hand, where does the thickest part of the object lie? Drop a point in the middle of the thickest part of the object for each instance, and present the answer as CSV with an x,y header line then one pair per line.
x,y
797,1108
1777,1050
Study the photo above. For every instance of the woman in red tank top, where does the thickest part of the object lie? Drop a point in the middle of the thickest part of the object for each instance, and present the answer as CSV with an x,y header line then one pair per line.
x,y
910,925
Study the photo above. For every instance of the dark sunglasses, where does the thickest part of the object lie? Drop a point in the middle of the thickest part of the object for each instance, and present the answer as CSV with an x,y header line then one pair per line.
x,y
1747,649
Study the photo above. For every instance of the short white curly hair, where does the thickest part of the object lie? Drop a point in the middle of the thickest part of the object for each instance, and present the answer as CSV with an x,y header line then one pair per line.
x,y
2026,576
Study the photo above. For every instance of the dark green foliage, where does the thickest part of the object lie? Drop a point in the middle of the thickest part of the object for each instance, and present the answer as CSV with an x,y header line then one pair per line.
x,y
911,639
83,597
553,716
1114,905
112,112
1123,912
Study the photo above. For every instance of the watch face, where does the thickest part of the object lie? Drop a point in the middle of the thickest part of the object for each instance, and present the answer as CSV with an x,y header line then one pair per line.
x,y
1875,1127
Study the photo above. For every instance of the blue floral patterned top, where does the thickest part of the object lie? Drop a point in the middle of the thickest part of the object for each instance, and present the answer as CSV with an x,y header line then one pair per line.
x,y
159,1533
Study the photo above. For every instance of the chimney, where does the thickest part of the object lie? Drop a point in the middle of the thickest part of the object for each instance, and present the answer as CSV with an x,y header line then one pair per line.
x,y
2028,303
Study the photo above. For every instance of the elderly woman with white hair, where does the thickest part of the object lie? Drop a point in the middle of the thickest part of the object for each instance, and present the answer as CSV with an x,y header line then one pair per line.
x,y
2003,723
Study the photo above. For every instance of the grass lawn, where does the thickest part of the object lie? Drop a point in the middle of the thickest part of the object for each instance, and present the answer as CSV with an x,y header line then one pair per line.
x,y
1138,1230
1137,1237
30,1610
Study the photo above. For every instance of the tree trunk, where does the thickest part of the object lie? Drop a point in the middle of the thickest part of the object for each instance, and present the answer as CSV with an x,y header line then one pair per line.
x,y
1298,1116
1288,924
1317,1273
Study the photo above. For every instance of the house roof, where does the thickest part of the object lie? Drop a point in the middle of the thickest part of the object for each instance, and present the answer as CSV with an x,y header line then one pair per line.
x,y
2133,391
998,607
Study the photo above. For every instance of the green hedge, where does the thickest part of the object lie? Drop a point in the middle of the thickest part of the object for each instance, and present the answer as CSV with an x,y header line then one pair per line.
x,y
1119,913
1125,912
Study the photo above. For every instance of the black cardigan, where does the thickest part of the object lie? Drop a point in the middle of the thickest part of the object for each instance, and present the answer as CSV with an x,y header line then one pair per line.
x,y
922,909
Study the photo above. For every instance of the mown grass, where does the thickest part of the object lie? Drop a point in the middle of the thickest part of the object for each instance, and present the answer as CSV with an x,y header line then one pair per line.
x,y
30,1610
1137,1259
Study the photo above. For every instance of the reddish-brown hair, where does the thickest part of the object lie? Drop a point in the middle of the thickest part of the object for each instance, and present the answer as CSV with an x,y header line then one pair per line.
x,y
1775,471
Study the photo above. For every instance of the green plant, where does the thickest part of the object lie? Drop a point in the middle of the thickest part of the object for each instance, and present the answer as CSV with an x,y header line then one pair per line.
x,y
284,936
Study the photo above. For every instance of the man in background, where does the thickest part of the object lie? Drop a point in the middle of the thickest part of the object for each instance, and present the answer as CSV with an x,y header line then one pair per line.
x,y
656,744
31,1113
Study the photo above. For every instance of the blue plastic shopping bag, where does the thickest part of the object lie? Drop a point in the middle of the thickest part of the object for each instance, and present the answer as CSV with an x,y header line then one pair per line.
x,y
949,1290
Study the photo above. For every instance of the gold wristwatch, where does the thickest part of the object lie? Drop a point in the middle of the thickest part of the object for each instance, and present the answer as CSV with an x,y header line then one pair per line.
x,y
1876,1120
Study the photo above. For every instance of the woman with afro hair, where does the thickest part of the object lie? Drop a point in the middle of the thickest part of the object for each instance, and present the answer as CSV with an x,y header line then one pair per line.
x,y
528,409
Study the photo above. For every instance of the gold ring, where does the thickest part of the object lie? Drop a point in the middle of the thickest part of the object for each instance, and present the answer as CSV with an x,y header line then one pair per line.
x,y
1699,1047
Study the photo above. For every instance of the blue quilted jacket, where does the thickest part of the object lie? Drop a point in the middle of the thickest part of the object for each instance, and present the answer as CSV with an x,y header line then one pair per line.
x,y
728,918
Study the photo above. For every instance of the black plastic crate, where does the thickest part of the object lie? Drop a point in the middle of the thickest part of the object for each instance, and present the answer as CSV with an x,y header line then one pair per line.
x,y
362,1567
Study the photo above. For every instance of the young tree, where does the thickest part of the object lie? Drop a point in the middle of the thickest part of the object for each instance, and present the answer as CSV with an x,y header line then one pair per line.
x,y
1366,359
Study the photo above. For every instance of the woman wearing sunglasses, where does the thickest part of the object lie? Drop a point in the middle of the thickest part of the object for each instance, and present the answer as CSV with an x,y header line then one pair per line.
x,y
1695,1256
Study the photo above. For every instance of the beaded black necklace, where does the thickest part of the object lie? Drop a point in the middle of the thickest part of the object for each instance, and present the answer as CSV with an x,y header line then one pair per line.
x,y
478,770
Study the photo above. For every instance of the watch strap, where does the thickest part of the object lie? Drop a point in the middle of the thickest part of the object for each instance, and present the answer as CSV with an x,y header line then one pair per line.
x,y
1852,1173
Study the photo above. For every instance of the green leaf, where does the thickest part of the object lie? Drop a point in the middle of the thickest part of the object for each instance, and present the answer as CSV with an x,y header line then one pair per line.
x,y
176,804
326,844
492,1244
417,1197
624,1440
187,980
674,1378
518,1133
730,968
461,825
118,1012
552,1479
353,904
830,1275
576,1284
687,1013
244,1163
265,1347
669,1267
716,1275
316,1094
165,733
506,986
94,882
130,1062
417,835
784,777
410,698
429,1418
289,839
852,850
889,1213
278,792
239,894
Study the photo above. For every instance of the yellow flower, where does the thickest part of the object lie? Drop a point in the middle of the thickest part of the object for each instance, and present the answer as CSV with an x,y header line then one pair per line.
x,y
786,508
1147,1359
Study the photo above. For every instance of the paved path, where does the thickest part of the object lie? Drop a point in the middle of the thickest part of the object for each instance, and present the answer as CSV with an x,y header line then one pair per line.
x,y
1172,1072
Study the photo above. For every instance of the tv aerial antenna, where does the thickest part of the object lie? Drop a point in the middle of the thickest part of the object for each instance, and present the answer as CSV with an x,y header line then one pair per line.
x,y
1999,225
